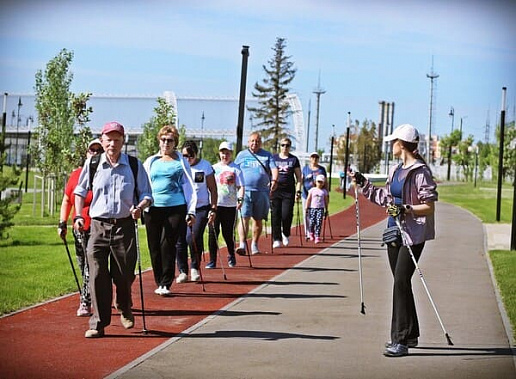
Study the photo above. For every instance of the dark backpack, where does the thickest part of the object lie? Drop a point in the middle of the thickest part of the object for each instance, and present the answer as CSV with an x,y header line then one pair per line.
x,y
133,162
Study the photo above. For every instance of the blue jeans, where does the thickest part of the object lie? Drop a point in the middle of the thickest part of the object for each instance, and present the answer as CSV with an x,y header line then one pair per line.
x,y
201,219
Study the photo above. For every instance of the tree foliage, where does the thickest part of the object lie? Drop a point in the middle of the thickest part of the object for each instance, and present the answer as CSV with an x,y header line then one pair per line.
x,y
273,109
364,146
58,149
9,178
147,143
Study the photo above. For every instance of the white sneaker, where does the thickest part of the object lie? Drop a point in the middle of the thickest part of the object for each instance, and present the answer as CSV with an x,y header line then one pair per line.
x,y
276,244
285,239
254,249
165,291
194,275
181,278
157,291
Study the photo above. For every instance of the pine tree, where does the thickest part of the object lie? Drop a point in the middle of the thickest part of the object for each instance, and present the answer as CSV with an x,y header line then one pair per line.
x,y
273,108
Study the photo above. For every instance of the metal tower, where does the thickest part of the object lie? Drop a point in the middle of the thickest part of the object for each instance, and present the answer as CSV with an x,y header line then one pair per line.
x,y
431,76
488,127
318,92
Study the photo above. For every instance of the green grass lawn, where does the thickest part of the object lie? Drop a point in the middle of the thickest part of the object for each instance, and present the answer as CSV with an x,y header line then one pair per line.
x,y
481,201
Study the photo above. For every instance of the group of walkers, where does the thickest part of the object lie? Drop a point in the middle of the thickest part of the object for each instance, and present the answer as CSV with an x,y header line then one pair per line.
x,y
179,194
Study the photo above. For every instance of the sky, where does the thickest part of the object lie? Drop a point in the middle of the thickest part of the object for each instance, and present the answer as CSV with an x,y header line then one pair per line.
x,y
362,52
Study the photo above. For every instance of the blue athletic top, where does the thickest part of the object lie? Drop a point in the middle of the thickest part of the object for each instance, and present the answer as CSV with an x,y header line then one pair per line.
x,y
167,181
398,180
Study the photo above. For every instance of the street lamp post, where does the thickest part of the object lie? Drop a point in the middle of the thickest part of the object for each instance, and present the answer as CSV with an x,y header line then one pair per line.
x,y
17,128
452,115
202,134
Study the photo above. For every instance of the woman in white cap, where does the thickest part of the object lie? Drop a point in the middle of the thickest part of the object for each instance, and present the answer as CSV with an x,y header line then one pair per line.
x,y
230,192
410,195
309,173
81,239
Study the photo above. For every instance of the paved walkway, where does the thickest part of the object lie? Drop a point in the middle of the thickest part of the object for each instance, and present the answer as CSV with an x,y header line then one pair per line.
x,y
306,322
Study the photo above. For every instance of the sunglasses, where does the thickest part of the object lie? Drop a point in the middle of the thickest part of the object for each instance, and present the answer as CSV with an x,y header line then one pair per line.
x,y
165,140
96,151
188,156
285,145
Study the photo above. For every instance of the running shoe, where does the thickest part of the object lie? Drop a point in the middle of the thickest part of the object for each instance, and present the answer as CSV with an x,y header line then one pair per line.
x,y
182,278
231,261
194,275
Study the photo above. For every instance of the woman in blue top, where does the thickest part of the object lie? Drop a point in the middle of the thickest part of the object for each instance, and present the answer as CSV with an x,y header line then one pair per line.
x,y
173,207
309,174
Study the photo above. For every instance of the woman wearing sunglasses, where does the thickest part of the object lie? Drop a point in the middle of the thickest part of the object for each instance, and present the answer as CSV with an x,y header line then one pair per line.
x,y
288,190
206,189
173,208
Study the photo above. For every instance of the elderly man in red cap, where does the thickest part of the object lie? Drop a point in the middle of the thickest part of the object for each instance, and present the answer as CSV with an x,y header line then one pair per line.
x,y
121,190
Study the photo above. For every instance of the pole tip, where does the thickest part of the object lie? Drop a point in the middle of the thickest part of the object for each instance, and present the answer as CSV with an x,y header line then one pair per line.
x,y
449,340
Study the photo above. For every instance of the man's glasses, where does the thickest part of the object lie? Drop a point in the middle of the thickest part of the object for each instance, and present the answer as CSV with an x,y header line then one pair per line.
x,y
187,156
285,145
165,140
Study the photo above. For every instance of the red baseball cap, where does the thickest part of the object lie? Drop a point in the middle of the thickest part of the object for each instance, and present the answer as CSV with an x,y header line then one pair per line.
x,y
113,126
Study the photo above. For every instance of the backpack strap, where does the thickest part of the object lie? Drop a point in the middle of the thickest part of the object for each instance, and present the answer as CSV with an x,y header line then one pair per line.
x,y
133,163
94,164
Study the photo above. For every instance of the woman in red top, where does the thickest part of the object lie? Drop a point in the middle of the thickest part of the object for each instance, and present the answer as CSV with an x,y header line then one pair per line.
x,y
81,240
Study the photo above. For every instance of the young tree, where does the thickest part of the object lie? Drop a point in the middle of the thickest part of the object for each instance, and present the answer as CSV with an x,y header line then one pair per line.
x,y
364,146
465,158
273,108
9,178
56,151
147,143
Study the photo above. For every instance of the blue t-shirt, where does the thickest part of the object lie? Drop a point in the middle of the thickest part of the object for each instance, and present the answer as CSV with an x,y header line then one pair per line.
x,y
396,187
309,176
256,178
167,183
286,177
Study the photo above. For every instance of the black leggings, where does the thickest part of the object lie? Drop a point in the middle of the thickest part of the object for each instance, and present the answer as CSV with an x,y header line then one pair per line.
x,y
404,323
225,220
282,212
164,225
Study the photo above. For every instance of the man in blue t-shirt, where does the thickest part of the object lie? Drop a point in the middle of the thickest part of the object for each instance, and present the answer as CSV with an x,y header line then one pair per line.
x,y
260,178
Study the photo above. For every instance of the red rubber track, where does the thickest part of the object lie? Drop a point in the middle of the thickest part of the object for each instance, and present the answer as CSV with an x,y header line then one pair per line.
x,y
48,340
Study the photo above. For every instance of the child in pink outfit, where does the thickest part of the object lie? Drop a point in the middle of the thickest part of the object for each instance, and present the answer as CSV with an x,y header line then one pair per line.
x,y
317,207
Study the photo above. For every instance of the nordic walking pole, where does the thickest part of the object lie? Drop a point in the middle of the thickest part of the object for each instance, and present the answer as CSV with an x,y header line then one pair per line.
x,y
324,229
245,238
404,238
71,264
272,232
298,220
218,252
329,225
357,209
144,330
196,252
